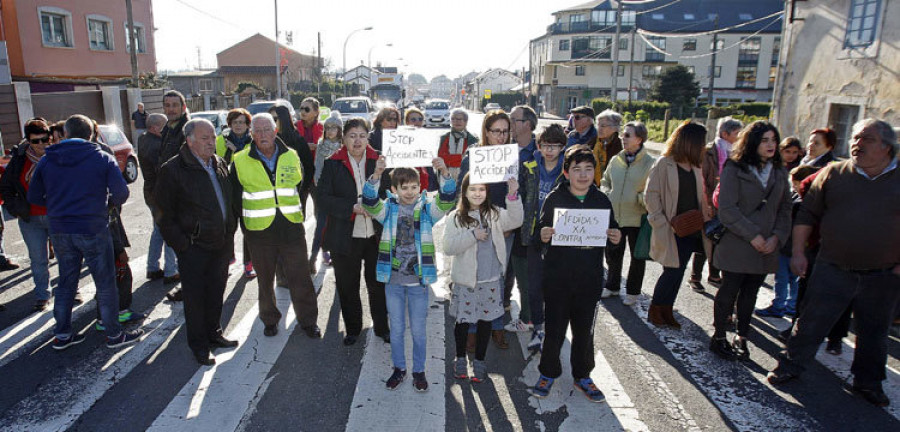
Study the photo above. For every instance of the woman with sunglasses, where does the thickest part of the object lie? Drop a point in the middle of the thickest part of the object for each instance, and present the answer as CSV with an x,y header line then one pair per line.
x,y
623,182
33,221
308,126
387,118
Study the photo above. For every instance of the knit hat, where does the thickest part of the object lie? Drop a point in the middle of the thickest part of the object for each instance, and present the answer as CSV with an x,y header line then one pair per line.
x,y
334,120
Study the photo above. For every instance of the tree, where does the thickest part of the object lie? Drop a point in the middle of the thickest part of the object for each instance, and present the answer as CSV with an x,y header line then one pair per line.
x,y
677,86
417,79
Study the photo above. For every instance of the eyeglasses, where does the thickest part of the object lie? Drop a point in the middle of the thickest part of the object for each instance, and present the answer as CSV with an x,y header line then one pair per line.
x,y
415,119
499,131
44,140
552,146
579,116
626,135
306,109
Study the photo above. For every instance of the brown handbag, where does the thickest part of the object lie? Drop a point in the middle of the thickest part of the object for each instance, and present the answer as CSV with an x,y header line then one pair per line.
x,y
687,223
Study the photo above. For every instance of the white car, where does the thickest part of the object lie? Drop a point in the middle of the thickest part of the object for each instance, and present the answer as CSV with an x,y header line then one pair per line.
x,y
437,113
351,107
491,106
219,119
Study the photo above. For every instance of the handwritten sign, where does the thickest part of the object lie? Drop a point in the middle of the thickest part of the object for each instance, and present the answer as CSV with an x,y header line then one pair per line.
x,y
410,147
493,164
580,227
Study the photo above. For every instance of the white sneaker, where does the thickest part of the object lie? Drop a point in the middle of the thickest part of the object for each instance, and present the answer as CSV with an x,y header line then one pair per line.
x,y
519,326
607,293
630,299
536,341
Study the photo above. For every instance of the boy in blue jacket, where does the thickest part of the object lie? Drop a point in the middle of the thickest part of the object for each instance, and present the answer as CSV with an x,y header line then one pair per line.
x,y
406,261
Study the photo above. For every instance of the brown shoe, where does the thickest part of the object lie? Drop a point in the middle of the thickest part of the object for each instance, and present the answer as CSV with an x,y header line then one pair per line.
x,y
670,318
471,341
499,337
655,316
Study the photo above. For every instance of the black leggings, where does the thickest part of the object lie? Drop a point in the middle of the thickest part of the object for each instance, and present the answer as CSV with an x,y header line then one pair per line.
x,y
482,337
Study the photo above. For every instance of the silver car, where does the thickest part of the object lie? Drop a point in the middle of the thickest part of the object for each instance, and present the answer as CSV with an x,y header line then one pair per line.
x,y
437,113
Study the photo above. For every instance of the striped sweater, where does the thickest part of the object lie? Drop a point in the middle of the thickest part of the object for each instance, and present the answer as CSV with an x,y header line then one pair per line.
x,y
426,212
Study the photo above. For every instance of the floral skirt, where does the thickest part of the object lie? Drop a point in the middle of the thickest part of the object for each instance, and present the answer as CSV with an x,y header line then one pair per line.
x,y
484,302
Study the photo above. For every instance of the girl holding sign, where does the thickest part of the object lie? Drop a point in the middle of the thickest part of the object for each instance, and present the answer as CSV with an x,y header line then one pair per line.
x,y
474,236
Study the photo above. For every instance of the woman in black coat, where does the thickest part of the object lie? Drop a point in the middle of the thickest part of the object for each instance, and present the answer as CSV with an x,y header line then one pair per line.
x,y
294,140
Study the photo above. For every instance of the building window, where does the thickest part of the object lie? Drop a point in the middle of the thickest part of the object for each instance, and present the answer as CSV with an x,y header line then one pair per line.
x,y
620,71
603,17
688,17
745,17
596,47
649,71
576,18
563,44
206,85
746,77
623,43
720,44
652,54
657,16
776,50
56,27
718,71
748,55
628,18
579,70
689,45
555,68
773,71
138,36
861,23
100,32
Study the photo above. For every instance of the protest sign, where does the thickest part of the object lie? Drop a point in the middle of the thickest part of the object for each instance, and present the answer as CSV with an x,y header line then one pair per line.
x,y
409,147
493,164
580,227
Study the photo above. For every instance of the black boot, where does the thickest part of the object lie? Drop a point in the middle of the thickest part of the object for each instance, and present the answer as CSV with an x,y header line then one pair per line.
x,y
739,346
721,348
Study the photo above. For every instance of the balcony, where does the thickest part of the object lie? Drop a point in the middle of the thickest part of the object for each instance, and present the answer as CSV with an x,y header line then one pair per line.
x,y
584,27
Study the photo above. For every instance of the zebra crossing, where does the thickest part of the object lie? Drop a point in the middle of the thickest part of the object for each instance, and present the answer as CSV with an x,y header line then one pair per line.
x,y
154,384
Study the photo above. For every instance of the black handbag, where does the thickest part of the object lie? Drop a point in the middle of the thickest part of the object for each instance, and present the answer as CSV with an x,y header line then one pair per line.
x,y
714,229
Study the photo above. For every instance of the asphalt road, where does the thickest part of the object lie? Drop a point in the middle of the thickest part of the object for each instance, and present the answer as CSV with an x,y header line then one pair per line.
x,y
658,380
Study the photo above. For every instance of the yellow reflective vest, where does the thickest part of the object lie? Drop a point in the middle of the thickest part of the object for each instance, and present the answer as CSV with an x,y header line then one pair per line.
x,y
261,199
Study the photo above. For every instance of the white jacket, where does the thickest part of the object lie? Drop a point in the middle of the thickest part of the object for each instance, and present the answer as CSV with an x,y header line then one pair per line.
x,y
460,242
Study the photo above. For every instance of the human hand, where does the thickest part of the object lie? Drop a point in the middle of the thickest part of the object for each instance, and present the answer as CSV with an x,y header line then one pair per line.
x,y
123,257
481,234
547,234
513,186
313,146
358,209
771,245
440,166
380,166
758,243
799,265
614,235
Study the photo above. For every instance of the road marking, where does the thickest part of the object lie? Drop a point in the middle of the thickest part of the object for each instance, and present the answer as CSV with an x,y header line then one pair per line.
x,y
377,408
37,328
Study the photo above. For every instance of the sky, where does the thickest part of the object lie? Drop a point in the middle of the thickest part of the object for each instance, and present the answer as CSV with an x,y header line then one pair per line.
x,y
430,37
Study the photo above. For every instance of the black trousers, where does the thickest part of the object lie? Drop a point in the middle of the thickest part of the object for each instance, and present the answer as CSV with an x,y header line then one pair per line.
x,y
203,277
482,337
736,287
697,265
569,299
615,257
346,275
842,326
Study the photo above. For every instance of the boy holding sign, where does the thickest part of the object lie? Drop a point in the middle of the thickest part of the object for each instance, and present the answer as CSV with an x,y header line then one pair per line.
x,y
406,261
570,297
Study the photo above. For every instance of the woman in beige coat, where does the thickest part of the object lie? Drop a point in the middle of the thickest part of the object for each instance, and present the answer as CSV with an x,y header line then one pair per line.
x,y
674,187
755,207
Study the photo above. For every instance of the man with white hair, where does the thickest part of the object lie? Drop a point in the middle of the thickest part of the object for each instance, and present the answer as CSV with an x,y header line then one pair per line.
x,y
856,206
266,178
194,213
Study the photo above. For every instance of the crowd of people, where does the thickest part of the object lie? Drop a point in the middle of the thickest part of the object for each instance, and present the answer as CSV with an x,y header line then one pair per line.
x,y
746,205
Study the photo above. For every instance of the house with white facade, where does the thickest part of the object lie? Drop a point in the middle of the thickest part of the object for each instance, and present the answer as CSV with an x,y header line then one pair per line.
x,y
839,64
441,87
572,62
490,81
362,75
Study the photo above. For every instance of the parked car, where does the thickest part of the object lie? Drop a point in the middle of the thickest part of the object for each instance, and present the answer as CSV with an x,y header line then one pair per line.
x,y
219,119
264,106
491,106
351,107
112,136
437,113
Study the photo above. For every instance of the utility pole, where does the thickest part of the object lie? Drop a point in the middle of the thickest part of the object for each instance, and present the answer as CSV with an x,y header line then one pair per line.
x,y
615,50
319,65
631,64
199,63
712,67
132,40
277,54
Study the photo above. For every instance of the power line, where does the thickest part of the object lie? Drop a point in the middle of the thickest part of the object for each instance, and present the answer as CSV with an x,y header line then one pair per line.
x,y
212,16
655,48
654,9
650,33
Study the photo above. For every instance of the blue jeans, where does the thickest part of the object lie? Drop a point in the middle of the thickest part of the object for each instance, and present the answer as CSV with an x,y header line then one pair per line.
x,y
95,250
413,298
157,246
785,299
36,232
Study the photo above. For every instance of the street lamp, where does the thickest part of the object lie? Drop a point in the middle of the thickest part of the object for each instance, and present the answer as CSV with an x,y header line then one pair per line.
x,y
344,76
373,47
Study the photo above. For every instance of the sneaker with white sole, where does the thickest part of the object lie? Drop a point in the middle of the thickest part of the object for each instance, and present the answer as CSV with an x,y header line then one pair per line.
x,y
608,293
124,338
60,344
537,341
519,326
630,299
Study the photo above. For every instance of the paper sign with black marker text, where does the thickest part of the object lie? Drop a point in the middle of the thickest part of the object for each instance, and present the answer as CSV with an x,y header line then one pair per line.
x,y
493,164
409,148
580,227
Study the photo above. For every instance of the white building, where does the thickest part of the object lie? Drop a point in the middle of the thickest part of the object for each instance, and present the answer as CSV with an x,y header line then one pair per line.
x,y
573,62
362,75
490,81
441,87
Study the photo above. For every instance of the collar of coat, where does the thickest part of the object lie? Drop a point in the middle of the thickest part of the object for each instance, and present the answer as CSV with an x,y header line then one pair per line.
x,y
343,155
279,144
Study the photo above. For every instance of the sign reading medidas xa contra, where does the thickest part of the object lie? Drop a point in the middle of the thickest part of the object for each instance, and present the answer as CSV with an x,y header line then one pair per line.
x,y
493,164
580,227
409,147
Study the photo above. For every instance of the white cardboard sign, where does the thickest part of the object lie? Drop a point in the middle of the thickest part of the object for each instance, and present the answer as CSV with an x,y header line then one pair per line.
x,y
409,147
580,227
493,164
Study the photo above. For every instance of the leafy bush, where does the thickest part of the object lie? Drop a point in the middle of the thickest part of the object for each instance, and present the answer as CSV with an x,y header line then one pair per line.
x,y
656,110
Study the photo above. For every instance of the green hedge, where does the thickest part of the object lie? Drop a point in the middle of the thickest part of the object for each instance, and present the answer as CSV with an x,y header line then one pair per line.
x,y
507,100
657,110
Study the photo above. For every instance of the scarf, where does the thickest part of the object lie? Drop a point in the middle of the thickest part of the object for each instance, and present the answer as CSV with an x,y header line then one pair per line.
x,y
763,173
629,158
34,158
456,141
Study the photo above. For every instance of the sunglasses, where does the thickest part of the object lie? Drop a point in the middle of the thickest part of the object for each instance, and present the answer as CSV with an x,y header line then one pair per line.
x,y
578,116
416,119
44,140
626,135
306,109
